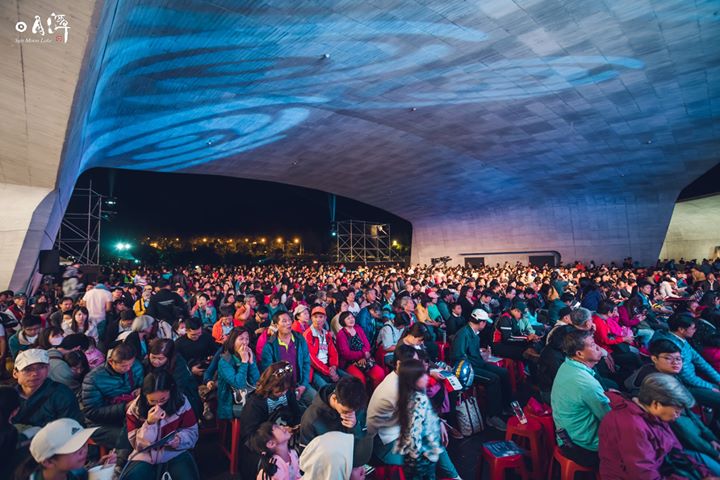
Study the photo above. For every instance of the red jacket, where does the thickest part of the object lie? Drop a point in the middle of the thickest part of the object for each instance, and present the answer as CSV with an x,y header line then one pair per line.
x,y
607,332
348,356
217,329
314,347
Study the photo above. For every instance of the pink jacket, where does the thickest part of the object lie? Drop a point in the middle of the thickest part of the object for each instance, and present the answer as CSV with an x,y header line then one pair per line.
x,y
142,434
712,355
348,356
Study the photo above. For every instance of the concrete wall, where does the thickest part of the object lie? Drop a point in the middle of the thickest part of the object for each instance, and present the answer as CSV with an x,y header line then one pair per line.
x,y
694,230
593,228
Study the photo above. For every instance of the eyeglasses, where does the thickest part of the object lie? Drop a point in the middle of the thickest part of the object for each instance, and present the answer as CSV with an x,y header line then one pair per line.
x,y
283,370
671,359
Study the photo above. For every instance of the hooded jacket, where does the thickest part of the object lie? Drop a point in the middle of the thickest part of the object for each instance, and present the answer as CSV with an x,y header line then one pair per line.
x,y
328,457
634,443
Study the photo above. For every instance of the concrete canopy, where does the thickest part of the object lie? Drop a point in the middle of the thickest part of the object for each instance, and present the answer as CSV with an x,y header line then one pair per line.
x,y
492,126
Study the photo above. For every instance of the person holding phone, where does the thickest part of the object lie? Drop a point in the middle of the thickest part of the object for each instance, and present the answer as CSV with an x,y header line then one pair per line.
x,y
162,430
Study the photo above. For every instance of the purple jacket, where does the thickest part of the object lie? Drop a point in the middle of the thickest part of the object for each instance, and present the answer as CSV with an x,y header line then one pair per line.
x,y
633,443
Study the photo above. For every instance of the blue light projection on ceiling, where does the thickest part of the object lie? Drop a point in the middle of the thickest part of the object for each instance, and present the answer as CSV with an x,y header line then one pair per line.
x,y
179,89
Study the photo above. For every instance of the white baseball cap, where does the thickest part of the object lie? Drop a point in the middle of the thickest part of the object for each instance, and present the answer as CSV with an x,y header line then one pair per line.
x,y
299,309
30,357
480,315
59,437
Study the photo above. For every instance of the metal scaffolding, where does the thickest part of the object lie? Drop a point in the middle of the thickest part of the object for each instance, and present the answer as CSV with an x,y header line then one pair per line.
x,y
361,241
79,237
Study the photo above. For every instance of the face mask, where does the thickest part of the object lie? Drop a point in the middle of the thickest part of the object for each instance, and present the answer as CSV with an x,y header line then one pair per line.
x,y
181,331
55,341
31,339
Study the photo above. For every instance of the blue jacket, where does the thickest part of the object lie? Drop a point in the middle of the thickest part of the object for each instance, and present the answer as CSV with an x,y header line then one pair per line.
x,y
271,354
101,386
233,373
365,320
692,363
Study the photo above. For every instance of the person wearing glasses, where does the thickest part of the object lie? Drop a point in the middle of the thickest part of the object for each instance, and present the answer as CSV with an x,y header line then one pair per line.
x,y
696,438
275,399
636,440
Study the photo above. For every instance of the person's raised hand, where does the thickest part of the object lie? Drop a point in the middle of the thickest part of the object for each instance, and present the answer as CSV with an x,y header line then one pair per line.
x,y
348,420
155,414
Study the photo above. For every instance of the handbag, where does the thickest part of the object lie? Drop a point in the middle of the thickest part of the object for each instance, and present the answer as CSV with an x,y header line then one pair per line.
x,y
469,418
678,463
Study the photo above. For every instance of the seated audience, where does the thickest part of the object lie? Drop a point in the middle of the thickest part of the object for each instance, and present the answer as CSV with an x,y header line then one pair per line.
x,y
636,440
277,460
496,380
324,358
26,337
383,420
354,352
289,346
697,375
162,356
339,407
41,400
161,410
578,400
275,399
108,389
237,370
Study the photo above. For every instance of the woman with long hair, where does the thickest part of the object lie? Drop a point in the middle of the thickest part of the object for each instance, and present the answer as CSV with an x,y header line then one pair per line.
x,y
274,400
237,369
80,323
162,356
162,430
420,439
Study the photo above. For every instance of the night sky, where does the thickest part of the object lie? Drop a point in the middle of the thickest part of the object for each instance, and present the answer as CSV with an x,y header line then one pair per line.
x,y
157,204
184,205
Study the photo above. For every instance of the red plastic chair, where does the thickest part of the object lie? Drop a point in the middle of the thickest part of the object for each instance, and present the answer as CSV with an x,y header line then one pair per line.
x,y
388,472
232,453
516,369
568,468
530,436
548,429
498,465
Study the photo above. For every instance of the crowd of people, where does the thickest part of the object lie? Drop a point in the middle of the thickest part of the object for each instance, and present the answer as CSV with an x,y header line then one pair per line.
x,y
329,369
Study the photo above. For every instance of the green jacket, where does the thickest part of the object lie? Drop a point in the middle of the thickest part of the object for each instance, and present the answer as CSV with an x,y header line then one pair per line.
x,y
233,373
694,435
466,346
578,403
51,401
101,389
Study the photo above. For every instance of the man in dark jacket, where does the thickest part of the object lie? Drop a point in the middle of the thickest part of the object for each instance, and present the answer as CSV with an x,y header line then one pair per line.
x,y
496,380
336,408
107,390
290,346
166,304
41,399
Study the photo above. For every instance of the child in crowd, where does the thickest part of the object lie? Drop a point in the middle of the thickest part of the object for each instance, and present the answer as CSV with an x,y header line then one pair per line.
x,y
277,460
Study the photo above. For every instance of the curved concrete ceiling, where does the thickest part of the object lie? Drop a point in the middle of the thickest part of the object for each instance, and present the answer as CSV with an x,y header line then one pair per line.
x,y
418,107
494,125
